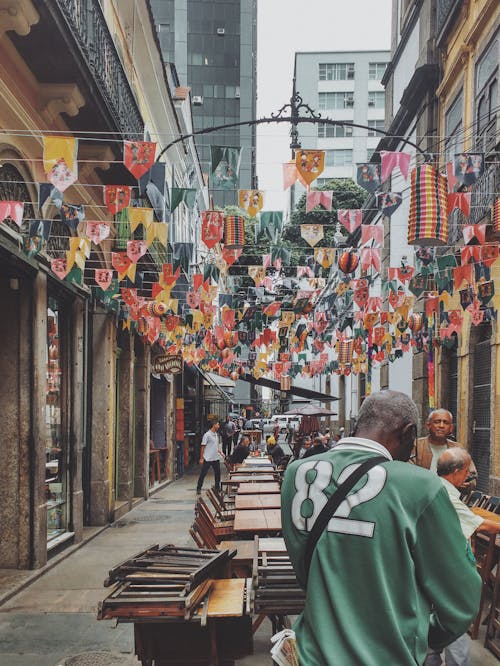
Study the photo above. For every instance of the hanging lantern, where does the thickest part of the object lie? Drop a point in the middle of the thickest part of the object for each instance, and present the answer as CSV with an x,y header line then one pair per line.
x,y
415,322
348,261
234,231
428,216
285,382
234,375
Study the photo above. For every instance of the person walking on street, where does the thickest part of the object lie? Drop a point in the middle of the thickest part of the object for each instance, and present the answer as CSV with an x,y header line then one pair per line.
x,y
210,455
365,545
227,432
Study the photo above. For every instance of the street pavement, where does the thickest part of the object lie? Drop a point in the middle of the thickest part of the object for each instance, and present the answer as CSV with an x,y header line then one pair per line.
x,y
48,617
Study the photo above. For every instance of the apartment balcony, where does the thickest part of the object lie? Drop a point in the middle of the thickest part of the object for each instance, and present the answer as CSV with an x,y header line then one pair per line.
x,y
71,44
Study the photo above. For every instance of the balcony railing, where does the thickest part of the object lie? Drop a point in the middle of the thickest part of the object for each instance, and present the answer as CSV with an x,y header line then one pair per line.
x,y
89,28
484,193
445,12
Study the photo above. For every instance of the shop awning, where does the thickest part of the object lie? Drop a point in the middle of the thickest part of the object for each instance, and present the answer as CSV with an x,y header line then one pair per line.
x,y
296,390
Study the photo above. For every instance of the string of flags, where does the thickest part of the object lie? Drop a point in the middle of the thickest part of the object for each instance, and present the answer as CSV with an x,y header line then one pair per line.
x,y
341,312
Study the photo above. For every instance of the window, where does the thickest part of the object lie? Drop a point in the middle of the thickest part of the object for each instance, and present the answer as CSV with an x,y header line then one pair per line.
x,y
487,97
336,71
330,131
453,128
377,125
164,39
338,158
369,154
376,99
336,100
376,70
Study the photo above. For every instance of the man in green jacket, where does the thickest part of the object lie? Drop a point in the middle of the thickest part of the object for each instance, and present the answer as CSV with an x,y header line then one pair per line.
x,y
389,575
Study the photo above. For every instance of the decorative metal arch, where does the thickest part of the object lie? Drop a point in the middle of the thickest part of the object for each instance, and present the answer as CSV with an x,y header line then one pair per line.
x,y
295,106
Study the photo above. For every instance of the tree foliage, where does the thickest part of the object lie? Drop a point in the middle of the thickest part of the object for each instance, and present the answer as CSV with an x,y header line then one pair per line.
x,y
346,194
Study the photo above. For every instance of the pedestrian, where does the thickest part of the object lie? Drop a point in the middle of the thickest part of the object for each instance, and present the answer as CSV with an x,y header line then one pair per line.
x,y
428,449
210,455
453,467
389,572
237,431
274,450
227,431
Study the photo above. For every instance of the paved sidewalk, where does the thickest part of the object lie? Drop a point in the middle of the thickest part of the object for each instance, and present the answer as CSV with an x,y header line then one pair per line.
x,y
52,621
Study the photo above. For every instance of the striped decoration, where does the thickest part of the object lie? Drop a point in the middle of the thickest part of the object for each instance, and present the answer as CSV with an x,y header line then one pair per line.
x,y
234,231
495,216
345,351
428,219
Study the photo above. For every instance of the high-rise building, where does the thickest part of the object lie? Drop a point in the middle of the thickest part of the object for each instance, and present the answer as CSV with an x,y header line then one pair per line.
x,y
342,85
213,44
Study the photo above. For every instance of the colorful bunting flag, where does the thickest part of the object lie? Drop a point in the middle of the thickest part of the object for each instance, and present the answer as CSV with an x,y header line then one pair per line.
x,y
225,167
138,156
388,202
390,160
368,176
351,219
250,201
97,231
312,233
319,198
468,167
310,164
212,227
116,197
12,209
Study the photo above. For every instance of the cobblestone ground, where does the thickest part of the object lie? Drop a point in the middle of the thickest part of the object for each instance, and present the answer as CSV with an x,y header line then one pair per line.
x,y
52,621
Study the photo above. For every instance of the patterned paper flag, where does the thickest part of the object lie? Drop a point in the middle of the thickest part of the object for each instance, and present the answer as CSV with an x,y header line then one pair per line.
x,y
138,156
225,167
310,164
251,201
12,209
212,227
388,202
391,160
351,219
318,198
311,233
59,160
116,197
368,176
97,231
468,167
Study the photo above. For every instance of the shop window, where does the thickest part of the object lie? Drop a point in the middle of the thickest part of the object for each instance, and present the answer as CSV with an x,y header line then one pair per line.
x,y
55,445
453,128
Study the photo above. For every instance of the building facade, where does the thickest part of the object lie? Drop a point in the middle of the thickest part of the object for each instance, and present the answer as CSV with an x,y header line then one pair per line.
x,y
77,414
214,48
346,86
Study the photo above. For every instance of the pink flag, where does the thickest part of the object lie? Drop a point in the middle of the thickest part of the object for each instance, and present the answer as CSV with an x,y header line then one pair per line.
x,y
450,174
390,160
12,209
351,219
103,277
136,249
318,198
59,267
291,175
372,232
471,231
97,231
370,257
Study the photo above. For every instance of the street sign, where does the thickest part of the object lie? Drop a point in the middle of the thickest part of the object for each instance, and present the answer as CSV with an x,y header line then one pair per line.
x,y
167,364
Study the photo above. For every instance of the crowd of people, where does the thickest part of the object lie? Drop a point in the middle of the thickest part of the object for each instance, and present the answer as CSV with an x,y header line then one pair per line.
x,y
363,513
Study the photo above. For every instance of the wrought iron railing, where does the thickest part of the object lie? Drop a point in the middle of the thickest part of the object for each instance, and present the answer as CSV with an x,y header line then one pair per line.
x,y
89,28
484,193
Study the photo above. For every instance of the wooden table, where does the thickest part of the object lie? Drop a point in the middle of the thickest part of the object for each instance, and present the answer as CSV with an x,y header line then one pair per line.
x,y
244,478
252,471
484,513
247,502
256,461
266,487
257,521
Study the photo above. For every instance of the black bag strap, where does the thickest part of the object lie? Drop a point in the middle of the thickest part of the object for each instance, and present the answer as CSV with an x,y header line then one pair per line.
x,y
332,505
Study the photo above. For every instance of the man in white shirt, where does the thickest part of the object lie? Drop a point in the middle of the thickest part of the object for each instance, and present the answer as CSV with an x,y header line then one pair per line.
x,y
210,455
453,467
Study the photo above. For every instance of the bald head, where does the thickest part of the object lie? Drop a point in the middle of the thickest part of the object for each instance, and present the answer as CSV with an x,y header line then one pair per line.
x,y
454,459
390,418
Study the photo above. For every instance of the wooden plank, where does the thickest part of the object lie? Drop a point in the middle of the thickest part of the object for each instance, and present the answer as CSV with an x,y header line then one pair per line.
x,y
484,513
251,478
227,598
244,549
257,488
272,501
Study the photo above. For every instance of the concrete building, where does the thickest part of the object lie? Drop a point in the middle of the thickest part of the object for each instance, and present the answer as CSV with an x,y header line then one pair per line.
x,y
214,48
343,85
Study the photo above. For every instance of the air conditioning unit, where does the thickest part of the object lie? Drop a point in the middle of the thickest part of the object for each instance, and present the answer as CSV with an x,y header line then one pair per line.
x,y
237,94
349,100
197,100
221,31
371,102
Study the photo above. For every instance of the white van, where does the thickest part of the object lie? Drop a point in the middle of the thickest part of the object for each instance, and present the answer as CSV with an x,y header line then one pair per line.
x,y
286,422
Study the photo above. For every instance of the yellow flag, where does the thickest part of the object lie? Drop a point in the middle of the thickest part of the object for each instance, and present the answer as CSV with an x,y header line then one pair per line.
x,y
251,201
310,164
56,148
139,216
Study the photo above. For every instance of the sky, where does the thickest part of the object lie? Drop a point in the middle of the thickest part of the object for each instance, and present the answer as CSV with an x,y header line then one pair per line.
x,y
287,26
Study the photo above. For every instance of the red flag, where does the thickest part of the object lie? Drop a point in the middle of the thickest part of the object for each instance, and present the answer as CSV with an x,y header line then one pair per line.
x,y
212,227
138,156
116,197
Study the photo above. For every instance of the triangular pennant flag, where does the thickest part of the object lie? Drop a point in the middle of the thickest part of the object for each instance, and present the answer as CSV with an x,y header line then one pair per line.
x,y
351,219
12,209
312,233
224,167
60,148
230,255
390,160
116,197
61,176
103,277
388,202
271,223
368,176
310,164
373,233
72,215
138,156
250,201
136,249
137,216
182,194
121,263
468,167
473,232
212,227
97,231
460,200
59,267
318,198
